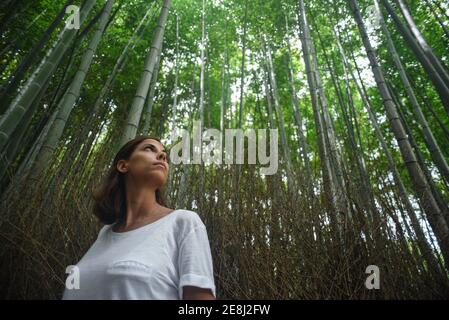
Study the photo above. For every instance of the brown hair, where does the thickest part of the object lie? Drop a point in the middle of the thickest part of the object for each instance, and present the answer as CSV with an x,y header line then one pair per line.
x,y
110,197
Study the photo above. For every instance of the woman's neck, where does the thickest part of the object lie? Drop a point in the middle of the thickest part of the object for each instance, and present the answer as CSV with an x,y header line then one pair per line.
x,y
141,206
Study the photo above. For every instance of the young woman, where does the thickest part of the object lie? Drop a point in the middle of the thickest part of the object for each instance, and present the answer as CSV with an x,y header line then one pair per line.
x,y
145,250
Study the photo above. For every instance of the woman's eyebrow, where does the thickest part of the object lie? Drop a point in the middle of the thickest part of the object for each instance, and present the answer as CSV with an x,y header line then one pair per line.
x,y
150,144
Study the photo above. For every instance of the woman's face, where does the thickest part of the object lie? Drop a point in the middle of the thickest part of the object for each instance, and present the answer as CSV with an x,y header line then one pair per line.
x,y
147,163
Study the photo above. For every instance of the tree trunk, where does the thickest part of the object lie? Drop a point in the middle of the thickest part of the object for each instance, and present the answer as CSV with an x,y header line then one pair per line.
x,y
403,194
299,120
67,102
329,183
43,73
19,72
277,107
429,139
434,214
436,62
135,112
242,70
437,80
150,97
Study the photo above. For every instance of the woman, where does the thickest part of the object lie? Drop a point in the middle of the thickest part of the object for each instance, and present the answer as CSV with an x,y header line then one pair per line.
x,y
145,250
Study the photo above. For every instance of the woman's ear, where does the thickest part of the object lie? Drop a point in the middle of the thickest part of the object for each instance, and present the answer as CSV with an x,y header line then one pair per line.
x,y
122,166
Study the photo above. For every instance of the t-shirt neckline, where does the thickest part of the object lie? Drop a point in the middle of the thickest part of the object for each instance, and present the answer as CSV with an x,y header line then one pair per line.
x,y
124,233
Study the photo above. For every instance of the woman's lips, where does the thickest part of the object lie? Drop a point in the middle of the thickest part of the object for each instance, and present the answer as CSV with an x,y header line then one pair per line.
x,y
161,166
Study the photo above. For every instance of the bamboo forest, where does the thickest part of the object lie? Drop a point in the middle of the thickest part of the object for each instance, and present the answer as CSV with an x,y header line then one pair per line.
x,y
357,92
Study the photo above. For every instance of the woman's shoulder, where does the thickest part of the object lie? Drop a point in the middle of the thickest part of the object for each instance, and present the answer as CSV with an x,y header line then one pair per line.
x,y
187,220
103,229
187,216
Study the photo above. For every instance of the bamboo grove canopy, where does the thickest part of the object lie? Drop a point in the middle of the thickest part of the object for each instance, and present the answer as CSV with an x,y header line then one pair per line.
x,y
358,92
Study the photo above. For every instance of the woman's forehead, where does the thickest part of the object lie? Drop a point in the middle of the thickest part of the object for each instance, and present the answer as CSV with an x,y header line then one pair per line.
x,y
153,141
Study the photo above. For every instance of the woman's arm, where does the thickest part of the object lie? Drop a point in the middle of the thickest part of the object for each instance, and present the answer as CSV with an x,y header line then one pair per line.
x,y
196,293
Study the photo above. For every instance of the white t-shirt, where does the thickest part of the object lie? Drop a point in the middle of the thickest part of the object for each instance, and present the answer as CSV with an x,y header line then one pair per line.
x,y
154,261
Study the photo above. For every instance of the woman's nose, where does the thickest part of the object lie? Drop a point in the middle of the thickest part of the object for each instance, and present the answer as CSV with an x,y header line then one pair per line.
x,y
162,156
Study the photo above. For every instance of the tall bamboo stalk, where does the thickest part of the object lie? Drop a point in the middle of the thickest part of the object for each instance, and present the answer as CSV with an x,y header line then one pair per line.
x,y
137,105
423,192
42,74
71,95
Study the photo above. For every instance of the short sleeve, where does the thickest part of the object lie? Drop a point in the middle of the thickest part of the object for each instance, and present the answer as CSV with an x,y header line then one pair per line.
x,y
102,230
195,261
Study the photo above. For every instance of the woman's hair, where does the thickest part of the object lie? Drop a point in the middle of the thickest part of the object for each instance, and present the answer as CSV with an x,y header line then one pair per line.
x,y
110,197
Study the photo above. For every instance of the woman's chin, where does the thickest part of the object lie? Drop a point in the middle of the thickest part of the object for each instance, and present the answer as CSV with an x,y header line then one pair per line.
x,y
157,179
